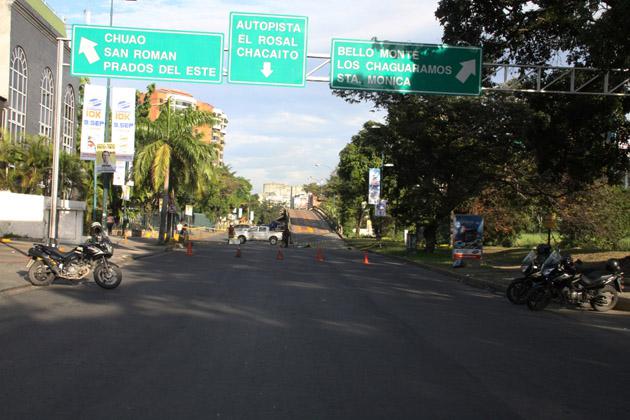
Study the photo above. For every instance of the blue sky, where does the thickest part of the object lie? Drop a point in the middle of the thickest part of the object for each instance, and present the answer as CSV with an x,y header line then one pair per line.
x,y
276,134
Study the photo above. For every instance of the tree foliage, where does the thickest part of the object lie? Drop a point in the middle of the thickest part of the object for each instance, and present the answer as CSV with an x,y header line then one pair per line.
x,y
171,157
355,160
596,217
587,32
533,148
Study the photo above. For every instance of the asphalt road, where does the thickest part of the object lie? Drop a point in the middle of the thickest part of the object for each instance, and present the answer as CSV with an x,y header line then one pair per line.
x,y
214,336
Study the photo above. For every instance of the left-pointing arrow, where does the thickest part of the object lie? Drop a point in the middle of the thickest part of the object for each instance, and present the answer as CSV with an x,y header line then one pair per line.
x,y
86,47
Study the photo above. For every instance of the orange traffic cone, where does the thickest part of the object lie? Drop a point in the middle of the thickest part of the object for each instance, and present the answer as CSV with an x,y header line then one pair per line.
x,y
279,255
189,249
365,258
238,252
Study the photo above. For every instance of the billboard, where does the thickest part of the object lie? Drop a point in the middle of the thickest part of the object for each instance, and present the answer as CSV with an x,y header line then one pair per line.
x,y
93,120
467,236
374,186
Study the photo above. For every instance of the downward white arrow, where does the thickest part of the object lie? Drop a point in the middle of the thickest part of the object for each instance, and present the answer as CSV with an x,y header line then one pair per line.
x,y
86,47
266,70
468,67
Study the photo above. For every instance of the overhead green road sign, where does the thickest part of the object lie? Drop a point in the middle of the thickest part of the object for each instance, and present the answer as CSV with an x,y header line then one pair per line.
x,y
267,49
405,67
128,53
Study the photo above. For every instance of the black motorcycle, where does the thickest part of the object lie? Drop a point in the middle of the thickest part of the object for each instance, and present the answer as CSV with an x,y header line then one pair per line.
x,y
48,263
530,267
567,284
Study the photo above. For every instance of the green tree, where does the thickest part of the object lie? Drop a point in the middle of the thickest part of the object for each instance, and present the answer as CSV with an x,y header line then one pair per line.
x,y
597,217
265,211
570,138
172,157
446,150
593,33
355,160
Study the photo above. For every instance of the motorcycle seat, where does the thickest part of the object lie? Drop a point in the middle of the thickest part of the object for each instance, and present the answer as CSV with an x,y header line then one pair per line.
x,y
594,278
55,252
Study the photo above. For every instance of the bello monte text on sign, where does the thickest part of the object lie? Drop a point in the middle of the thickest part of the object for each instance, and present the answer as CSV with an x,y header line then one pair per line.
x,y
405,67
267,49
104,51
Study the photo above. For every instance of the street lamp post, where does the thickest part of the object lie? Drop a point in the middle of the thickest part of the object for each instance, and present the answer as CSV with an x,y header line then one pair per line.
x,y
107,177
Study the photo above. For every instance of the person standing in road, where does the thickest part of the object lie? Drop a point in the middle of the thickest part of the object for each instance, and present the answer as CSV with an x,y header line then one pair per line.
x,y
231,231
286,236
110,224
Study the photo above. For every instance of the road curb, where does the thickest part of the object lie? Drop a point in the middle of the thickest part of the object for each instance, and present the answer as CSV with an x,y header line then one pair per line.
x,y
497,286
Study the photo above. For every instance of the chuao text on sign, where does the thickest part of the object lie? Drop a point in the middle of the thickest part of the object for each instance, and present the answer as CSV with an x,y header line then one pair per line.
x,y
103,51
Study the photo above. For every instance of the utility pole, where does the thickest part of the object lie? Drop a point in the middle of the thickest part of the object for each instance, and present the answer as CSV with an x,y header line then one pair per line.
x,y
54,190
106,176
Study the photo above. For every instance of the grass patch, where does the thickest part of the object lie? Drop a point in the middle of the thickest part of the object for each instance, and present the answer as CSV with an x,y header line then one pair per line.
x,y
441,256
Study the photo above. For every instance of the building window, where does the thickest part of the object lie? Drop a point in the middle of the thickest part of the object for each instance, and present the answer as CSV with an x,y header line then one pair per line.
x,y
68,120
18,79
46,104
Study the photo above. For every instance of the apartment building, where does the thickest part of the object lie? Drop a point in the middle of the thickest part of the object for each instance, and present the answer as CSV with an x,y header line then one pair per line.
x,y
181,100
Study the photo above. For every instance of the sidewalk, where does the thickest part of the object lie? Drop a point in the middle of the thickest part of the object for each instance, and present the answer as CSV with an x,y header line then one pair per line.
x,y
13,259
488,278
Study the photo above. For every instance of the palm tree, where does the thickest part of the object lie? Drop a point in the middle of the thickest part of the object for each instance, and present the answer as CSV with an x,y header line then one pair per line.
x,y
172,156
33,157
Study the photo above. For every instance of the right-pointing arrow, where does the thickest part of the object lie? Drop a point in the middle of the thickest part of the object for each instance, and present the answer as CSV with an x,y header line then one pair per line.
x,y
266,70
86,47
468,67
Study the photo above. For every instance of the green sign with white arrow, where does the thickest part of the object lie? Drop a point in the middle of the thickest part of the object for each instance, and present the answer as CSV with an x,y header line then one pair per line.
x,y
128,53
405,67
267,49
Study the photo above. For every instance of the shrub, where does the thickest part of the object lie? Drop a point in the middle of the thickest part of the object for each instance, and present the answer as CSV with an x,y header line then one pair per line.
x,y
596,218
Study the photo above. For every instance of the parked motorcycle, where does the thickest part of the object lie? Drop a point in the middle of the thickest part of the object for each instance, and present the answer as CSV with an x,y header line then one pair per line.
x,y
48,263
566,284
530,267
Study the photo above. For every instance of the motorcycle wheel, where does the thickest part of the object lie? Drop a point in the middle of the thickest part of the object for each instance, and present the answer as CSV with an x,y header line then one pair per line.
x,y
517,291
40,275
538,299
605,300
107,277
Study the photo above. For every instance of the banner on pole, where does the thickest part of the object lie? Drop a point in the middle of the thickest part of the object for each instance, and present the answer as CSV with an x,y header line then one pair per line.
x,y
124,122
374,186
105,158
119,175
381,209
93,121
126,192
188,211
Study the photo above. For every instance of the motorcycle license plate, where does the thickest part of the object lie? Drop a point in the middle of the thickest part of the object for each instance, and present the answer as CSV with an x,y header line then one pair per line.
x,y
30,262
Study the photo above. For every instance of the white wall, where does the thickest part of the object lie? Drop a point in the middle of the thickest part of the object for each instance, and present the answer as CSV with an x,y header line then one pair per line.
x,y
27,215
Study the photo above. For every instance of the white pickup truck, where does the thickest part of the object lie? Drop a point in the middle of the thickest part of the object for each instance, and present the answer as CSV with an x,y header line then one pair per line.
x,y
259,233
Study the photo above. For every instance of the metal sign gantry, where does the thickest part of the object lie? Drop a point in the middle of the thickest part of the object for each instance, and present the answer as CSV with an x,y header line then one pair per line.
x,y
524,78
